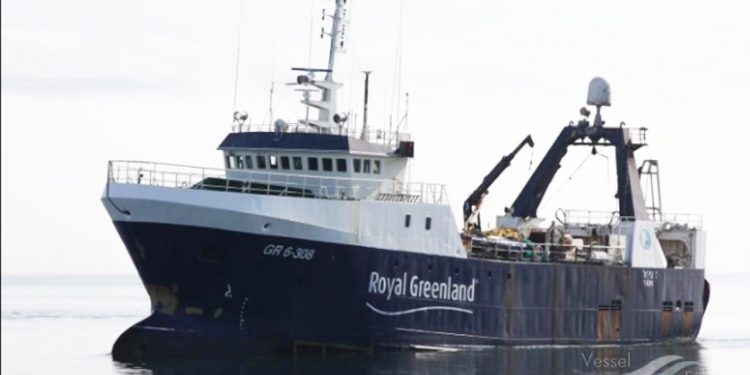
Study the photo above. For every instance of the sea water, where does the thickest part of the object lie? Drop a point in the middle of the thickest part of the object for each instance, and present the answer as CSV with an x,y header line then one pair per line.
x,y
67,325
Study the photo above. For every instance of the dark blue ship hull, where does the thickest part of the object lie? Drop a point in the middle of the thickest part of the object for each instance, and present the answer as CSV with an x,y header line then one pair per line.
x,y
224,293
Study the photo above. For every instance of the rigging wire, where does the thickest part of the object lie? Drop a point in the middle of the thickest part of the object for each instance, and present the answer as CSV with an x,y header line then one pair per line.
x,y
352,113
396,88
237,67
570,178
273,65
310,42
607,162
606,158
269,112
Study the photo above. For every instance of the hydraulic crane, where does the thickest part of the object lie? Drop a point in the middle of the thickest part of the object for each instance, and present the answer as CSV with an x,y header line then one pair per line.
x,y
474,201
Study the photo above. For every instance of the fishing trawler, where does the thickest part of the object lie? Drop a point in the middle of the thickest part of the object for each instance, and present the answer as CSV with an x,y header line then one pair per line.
x,y
312,238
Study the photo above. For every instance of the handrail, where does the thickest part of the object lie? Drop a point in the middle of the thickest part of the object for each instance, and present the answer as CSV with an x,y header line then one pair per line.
x,y
613,217
274,183
374,135
106,191
544,251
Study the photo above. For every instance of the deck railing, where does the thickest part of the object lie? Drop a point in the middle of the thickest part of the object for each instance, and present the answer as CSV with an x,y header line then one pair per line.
x,y
613,217
270,183
546,251
390,139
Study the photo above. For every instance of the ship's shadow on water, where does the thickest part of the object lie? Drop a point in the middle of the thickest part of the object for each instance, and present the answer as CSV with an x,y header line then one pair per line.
x,y
683,358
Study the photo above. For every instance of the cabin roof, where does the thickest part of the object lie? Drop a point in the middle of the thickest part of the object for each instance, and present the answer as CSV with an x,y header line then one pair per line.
x,y
300,141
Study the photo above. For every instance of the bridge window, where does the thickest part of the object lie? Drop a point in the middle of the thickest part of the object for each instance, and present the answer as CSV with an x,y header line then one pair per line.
x,y
297,162
228,162
357,165
428,223
239,160
273,162
261,161
367,166
341,165
376,167
407,221
284,162
312,164
327,164
249,162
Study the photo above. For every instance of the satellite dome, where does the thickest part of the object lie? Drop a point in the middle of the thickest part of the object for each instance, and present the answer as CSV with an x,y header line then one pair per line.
x,y
598,92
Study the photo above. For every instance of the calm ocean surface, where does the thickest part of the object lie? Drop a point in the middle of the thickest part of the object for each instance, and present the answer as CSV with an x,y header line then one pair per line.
x,y
67,325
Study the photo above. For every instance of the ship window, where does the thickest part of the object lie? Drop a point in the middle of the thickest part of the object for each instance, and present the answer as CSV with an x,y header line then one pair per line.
x,y
240,162
273,162
366,169
341,165
327,164
428,223
312,164
357,165
376,166
249,162
284,162
227,162
261,161
297,162
407,222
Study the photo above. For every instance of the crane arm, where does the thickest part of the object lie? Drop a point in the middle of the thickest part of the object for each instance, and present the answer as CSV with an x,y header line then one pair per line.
x,y
472,203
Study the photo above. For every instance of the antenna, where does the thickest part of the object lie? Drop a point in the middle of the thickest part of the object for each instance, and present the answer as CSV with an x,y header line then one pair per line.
x,y
270,104
237,67
364,120
326,106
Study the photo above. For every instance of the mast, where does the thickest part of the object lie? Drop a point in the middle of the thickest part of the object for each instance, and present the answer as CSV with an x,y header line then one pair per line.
x,y
328,94
336,34
364,122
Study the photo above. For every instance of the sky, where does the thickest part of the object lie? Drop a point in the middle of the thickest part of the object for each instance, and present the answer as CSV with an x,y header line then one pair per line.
x,y
84,82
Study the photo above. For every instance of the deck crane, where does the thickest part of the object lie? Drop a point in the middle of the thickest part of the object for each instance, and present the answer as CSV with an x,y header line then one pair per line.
x,y
474,201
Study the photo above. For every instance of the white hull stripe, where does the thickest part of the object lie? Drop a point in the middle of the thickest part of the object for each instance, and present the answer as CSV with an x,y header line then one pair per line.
x,y
411,311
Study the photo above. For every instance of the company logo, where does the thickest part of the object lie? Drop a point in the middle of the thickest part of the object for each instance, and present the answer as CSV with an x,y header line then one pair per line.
x,y
645,238
412,286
